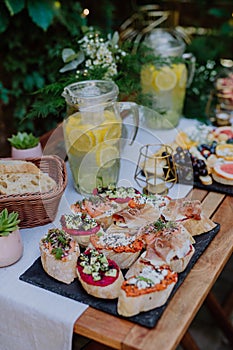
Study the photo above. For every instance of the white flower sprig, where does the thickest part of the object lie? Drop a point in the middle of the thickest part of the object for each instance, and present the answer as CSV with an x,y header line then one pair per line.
x,y
95,52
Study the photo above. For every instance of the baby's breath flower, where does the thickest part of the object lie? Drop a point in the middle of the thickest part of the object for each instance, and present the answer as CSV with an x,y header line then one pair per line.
x,y
99,52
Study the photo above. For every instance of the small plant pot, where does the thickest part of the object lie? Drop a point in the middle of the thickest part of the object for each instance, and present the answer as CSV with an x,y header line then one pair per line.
x,y
34,152
11,248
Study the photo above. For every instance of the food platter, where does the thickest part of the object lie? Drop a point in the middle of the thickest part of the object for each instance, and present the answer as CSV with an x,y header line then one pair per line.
x,y
210,150
145,233
36,276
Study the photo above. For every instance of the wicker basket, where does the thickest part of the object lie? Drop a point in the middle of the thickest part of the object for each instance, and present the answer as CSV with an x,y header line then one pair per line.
x,y
36,209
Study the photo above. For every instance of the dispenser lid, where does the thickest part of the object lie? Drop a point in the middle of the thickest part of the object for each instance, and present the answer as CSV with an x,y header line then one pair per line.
x,y
165,42
90,92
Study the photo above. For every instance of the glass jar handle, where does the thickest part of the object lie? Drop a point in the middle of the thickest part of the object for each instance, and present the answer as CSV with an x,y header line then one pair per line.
x,y
127,108
191,65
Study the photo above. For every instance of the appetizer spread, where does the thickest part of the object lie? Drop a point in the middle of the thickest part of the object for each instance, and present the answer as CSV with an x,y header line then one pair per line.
x,y
132,253
99,276
209,150
80,226
59,254
149,288
101,209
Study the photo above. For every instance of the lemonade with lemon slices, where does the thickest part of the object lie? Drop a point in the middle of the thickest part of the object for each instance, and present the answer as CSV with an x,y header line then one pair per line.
x,y
92,145
167,86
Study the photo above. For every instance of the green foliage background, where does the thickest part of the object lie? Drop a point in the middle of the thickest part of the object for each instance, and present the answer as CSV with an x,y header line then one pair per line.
x,y
33,34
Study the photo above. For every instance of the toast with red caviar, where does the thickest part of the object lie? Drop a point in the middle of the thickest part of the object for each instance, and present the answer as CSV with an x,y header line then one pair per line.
x,y
149,288
80,226
59,253
98,275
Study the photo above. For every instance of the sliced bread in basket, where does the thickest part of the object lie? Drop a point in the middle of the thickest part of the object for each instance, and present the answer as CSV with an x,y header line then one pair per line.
x,y
19,177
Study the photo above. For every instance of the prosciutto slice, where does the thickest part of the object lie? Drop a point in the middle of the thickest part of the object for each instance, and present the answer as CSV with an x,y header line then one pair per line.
x,y
168,244
136,217
180,209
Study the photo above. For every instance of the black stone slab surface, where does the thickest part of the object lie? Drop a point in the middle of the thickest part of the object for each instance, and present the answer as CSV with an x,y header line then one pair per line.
x,y
215,187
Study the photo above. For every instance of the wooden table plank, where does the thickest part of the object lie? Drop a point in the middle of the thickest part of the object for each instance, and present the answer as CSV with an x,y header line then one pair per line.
x,y
211,202
167,334
102,327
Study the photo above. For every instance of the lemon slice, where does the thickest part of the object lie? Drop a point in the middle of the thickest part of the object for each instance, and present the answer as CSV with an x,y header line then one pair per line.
x,y
99,133
81,141
166,79
106,155
181,74
147,77
113,131
109,115
72,122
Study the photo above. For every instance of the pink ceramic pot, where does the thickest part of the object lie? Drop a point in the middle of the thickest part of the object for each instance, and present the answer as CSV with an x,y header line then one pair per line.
x,y
11,248
35,152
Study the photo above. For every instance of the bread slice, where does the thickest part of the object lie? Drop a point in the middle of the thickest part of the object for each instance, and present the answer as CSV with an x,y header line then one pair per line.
x,y
168,243
179,264
176,264
124,249
20,177
10,166
99,276
197,227
147,290
101,209
80,226
62,269
22,183
222,180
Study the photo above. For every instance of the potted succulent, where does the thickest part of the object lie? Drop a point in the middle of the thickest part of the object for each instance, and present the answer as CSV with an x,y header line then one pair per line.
x,y
11,246
25,145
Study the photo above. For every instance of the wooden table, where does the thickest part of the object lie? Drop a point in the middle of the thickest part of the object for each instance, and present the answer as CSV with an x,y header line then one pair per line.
x,y
171,328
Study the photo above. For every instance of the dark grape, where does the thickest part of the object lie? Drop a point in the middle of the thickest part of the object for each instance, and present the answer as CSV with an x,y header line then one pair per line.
x,y
179,149
203,172
201,164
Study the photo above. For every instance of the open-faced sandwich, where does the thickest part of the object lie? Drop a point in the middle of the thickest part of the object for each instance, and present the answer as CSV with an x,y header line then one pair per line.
x,y
80,226
59,254
101,209
149,288
137,213
120,195
189,213
167,243
98,275
119,246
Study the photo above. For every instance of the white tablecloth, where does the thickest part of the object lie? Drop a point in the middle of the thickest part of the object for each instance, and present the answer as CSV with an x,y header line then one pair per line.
x,y
32,318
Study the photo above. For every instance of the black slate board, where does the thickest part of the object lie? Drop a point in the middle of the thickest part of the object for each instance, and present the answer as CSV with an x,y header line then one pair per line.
x,y
37,276
215,187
